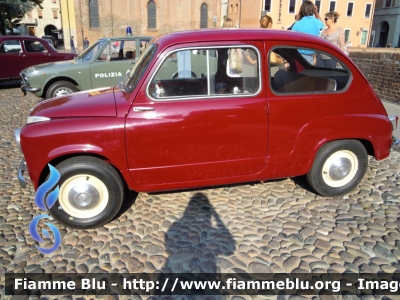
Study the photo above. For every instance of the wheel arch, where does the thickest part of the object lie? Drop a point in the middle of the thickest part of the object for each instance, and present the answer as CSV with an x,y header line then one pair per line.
x,y
367,144
55,161
373,131
59,78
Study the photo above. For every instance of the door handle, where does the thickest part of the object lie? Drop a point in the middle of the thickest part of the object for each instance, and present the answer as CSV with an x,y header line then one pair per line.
x,y
142,108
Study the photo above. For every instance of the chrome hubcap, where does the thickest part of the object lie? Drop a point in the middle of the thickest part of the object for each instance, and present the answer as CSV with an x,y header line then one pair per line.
x,y
340,168
62,91
83,196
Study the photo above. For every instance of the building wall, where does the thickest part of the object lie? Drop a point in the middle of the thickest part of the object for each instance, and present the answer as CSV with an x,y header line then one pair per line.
x,y
69,23
382,69
391,15
249,12
47,18
116,15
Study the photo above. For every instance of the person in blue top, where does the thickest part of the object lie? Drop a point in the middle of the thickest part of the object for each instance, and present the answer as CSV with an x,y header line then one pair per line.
x,y
309,24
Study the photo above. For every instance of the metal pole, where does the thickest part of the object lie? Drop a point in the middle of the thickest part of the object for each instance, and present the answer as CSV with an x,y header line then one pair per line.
x,y
370,25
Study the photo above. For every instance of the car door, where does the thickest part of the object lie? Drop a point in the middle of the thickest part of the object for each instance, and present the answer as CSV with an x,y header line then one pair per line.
x,y
35,53
112,63
194,122
11,56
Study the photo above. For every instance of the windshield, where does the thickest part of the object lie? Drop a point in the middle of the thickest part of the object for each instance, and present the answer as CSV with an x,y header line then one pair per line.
x,y
136,73
91,52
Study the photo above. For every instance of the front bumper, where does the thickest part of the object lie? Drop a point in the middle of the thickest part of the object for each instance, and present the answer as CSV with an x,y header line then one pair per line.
x,y
22,167
25,87
21,170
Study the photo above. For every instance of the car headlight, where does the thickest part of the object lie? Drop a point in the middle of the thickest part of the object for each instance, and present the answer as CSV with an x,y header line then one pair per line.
x,y
36,119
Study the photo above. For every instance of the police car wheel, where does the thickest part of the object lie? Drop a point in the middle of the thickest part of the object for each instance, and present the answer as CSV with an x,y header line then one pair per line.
x,y
61,88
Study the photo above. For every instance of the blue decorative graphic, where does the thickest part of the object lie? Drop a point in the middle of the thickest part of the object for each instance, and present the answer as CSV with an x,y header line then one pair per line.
x,y
51,198
36,236
45,187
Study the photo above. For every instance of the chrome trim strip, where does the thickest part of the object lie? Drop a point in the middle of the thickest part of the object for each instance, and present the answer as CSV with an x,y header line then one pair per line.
x,y
393,120
36,119
30,89
22,168
17,135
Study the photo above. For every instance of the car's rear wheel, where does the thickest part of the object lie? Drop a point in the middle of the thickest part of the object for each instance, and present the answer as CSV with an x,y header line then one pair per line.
x,y
60,88
338,167
91,193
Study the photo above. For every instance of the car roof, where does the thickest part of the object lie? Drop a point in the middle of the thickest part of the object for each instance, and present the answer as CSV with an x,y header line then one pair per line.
x,y
235,34
19,37
126,37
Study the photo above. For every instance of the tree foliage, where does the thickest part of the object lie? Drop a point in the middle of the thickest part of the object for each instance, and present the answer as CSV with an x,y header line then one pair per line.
x,y
13,11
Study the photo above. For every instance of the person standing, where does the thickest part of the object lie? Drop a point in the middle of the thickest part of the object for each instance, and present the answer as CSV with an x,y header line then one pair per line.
x,y
309,24
72,44
85,43
334,35
228,23
266,22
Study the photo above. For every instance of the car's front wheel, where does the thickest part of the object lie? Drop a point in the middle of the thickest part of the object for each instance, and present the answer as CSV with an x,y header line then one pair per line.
x,y
91,193
338,167
60,88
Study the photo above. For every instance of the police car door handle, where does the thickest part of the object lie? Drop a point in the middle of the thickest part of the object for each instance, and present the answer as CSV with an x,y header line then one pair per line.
x,y
142,108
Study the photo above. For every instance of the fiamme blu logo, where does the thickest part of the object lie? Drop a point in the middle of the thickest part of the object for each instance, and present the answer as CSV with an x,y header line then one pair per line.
x,y
45,199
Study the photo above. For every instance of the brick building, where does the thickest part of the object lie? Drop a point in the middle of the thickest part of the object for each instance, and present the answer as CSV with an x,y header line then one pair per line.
x,y
99,18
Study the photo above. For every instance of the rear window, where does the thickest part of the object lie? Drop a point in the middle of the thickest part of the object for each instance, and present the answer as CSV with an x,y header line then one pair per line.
x,y
303,71
10,46
34,46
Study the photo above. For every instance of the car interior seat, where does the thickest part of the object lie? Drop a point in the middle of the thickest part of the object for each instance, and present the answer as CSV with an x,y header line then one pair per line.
x,y
289,82
129,54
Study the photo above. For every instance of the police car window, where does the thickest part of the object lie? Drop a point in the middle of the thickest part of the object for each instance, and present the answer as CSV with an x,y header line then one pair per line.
x,y
201,72
34,46
10,46
300,71
135,74
92,51
129,50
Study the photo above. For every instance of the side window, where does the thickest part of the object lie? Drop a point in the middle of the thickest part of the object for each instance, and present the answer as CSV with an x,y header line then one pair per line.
x,y
201,72
34,46
110,52
10,46
301,71
129,50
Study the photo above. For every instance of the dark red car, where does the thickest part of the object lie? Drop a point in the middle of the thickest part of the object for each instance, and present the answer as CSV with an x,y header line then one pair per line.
x,y
191,113
20,52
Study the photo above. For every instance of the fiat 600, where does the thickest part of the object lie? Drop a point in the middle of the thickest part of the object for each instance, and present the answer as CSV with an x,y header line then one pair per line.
x,y
203,108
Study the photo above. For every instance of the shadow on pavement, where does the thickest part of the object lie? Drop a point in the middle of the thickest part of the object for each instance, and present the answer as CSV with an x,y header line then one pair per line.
x,y
8,84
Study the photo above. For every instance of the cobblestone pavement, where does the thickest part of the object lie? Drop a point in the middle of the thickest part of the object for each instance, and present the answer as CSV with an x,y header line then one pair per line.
x,y
276,226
